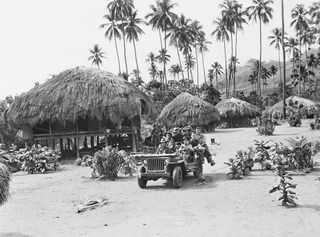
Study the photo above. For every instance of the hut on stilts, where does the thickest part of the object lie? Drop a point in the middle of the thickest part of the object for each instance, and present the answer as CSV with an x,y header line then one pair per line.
x,y
236,113
187,109
78,104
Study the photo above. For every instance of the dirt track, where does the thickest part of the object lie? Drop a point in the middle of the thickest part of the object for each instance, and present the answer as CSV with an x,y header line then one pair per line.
x,y
46,205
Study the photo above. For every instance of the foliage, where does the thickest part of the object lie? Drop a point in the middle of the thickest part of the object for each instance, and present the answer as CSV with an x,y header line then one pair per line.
x,y
210,94
5,177
295,120
108,162
36,159
241,164
265,126
287,197
262,154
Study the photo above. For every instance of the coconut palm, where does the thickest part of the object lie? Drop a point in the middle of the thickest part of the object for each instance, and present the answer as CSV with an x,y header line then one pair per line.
x,y
203,48
291,45
189,65
218,71
211,76
112,32
273,71
197,29
163,57
276,40
162,18
221,34
301,23
175,70
151,58
315,12
132,31
120,9
260,11
96,55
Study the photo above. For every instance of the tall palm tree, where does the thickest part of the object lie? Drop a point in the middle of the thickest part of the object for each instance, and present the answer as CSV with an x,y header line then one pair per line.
x,y
284,86
203,48
112,32
291,45
189,64
217,70
120,9
163,57
132,31
175,70
301,23
211,76
96,55
151,58
276,40
273,71
315,12
221,34
197,29
260,11
162,18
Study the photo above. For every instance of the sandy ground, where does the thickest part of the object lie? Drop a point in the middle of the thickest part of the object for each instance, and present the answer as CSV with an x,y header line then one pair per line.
x,y
46,204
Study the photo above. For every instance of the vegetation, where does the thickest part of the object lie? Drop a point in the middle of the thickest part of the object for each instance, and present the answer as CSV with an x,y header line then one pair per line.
x,y
5,178
265,125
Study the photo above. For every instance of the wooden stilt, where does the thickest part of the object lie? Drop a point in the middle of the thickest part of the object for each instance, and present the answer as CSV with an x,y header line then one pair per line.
x,y
61,144
134,145
69,145
78,143
85,143
92,142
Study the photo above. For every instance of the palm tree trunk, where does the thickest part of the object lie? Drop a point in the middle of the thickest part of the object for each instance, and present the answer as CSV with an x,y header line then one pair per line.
x,y
284,62
231,65
203,68
217,85
116,47
259,70
279,62
125,51
165,50
135,55
197,61
180,63
225,66
299,86
160,39
235,56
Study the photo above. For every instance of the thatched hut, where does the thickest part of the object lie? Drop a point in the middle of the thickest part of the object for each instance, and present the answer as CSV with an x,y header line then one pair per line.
x,y
307,108
236,113
4,183
187,109
77,103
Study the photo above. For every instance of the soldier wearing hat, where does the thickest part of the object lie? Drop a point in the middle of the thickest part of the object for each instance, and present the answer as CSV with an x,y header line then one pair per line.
x,y
176,135
156,134
163,148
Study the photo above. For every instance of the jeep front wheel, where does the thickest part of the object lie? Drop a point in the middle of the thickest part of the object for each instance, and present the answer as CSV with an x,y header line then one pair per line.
x,y
142,182
177,177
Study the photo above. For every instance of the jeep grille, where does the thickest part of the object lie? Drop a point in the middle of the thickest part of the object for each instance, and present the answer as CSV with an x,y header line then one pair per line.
x,y
155,164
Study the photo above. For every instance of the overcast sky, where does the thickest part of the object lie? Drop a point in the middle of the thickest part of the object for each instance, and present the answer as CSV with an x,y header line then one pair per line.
x,y
39,38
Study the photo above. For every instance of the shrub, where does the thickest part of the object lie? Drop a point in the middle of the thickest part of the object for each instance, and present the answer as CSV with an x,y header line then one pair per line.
x,y
265,126
241,164
287,197
4,183
262,154
295,120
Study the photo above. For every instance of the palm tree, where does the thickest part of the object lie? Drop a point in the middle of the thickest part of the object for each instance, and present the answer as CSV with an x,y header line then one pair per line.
x,y
211,76
291,45
276,40
120,9
273,71
301,24
260,11
197,29
132,31
151,58
163,58
217,70
96,55
112,32
189,64
175,70
284,84
203,47
315,12
162,18
222,35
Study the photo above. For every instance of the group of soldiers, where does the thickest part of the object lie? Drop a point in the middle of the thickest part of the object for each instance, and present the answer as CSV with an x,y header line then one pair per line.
x,y
180,140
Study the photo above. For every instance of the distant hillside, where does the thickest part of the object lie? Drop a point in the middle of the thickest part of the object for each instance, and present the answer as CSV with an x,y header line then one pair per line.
x,y
244,71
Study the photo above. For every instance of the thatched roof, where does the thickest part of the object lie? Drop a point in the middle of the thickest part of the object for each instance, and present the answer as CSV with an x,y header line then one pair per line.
x,y
308,107
235,108
80,92
186,109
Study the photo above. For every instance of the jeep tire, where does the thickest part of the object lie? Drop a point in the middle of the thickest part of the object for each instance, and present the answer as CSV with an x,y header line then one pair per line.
x,y
177,177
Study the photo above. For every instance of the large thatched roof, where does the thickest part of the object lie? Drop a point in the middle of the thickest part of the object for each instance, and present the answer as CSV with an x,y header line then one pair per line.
x,y
308,107
80,92
235,108
186,109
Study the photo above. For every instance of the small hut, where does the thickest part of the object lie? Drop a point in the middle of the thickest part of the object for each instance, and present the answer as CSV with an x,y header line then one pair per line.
x,y
187,109
236,113
79,103
307,108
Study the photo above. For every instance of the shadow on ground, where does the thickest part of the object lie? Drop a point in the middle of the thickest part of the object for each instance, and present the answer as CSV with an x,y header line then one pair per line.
x,y
12,234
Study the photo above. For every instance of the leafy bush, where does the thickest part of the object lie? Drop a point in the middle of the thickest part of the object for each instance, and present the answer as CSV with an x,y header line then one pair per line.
x,y
241,164
295,120
265,125
108,162
5,177
287,197
262,154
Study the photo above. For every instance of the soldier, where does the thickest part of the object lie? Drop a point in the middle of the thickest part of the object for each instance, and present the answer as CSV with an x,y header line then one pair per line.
x,y
199,139
156,134
163,148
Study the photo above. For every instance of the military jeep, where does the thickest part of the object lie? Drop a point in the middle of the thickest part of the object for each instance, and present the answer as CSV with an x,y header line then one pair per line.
x,y
167,166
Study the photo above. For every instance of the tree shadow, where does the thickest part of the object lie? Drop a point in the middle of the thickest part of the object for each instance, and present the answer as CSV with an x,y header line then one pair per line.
x,y
13,234
311,206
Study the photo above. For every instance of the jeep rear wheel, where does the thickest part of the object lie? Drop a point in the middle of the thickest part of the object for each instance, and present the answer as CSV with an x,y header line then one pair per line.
x,y
142,182
177,177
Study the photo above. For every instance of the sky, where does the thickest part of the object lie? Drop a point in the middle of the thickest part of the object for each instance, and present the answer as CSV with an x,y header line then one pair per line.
x,y
40,38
